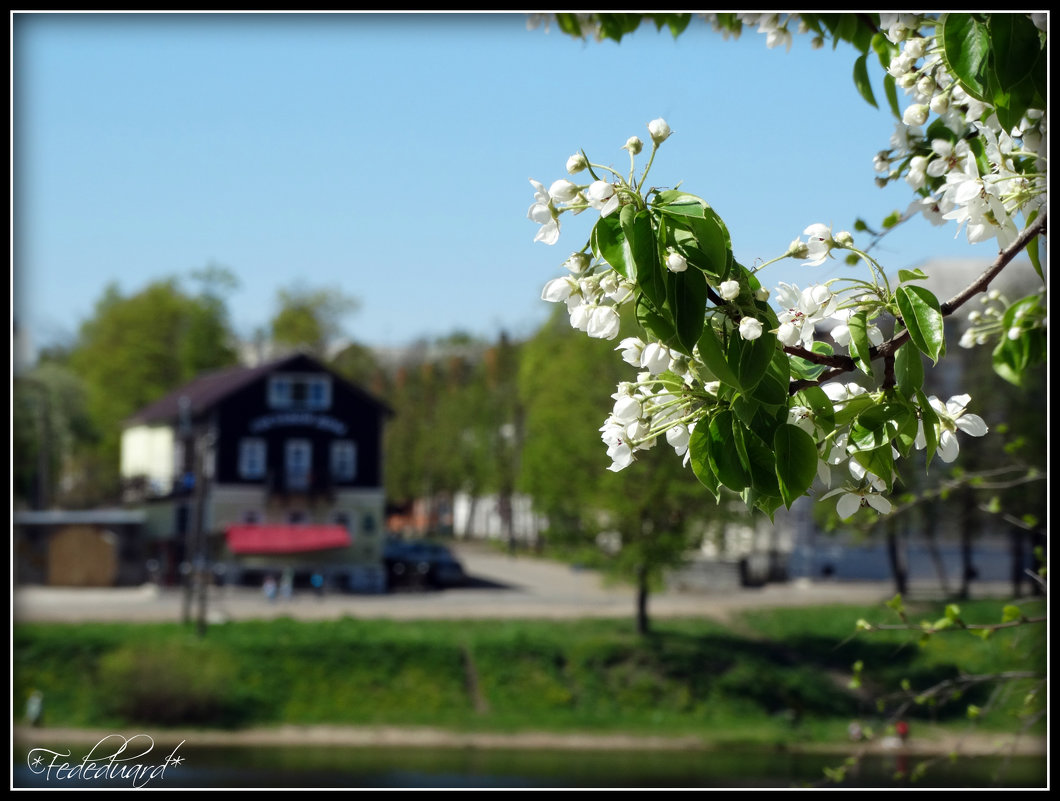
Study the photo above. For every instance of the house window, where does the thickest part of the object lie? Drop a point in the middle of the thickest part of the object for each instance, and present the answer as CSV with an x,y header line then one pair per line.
x,y
343,460
300,391
296,517
299,453
252,457
341,519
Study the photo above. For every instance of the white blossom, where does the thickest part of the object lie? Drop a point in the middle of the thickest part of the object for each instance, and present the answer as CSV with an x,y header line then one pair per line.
x,y
819,244
604,322
730,290
602,197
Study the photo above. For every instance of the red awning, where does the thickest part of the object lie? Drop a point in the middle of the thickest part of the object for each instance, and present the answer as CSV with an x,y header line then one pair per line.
x,y
286,539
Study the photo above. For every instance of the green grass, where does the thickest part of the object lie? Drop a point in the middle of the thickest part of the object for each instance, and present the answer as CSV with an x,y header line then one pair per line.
x,y
772,675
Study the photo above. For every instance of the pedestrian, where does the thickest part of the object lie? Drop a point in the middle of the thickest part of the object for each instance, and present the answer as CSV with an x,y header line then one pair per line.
x,y
901,728
317,581
269,588
34,708
287,584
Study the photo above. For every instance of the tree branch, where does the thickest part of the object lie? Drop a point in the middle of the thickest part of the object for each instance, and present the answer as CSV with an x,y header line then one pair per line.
x,y
888,348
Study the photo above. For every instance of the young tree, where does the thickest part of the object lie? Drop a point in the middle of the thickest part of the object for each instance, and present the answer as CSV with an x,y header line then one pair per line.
x,y
133,350
311,318
645,520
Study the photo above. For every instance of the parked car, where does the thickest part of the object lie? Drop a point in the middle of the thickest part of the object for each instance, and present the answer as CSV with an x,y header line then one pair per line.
x,y
418,563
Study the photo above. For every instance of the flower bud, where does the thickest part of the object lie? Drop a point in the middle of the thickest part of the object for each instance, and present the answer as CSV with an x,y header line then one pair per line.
x,y
750,328
916,114
798,249
633,145
1014,332
844,239
576,163
730,290
562,191
762,294
578,262
659,130
676,263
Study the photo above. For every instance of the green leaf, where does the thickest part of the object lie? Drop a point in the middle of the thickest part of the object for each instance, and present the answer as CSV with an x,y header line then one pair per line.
x,y
923,319
1032,247
1018,67
750,359
815,399
657,324
860,348
890,88
928,420
1010,613
759,459
724,460
796,462
772,390
644,255
908,369
710,248
713,354
687,298
609,243
965,41
861,80
879,462
699,448
911,275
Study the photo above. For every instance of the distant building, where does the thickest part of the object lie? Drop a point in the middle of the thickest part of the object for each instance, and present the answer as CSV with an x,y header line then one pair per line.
x,y
287,456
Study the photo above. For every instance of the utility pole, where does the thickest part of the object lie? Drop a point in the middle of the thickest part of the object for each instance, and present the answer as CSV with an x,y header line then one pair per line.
x,y
203,446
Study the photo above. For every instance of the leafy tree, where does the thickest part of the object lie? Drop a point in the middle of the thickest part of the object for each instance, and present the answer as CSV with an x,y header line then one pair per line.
x,y
645,520
51,424
133,350
311,318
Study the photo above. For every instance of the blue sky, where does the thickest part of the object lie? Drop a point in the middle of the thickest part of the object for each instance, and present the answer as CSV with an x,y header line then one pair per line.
x,y
389,155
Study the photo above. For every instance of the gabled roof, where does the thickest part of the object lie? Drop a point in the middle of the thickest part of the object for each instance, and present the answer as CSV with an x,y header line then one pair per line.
x,y
209,389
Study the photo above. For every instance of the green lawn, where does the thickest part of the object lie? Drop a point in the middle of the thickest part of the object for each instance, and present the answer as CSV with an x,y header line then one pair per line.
x,y
770,676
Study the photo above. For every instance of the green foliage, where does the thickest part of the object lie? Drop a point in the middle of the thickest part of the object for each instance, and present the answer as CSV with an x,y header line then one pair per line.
x,y
133,350
310,318
174,683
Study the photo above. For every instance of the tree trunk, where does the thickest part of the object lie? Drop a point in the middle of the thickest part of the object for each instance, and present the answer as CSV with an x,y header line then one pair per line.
x,y
931,517
899,568
969,528
643,624
1016,536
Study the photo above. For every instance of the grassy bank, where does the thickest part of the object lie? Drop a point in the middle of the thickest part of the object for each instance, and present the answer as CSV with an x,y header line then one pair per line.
x,y
768,676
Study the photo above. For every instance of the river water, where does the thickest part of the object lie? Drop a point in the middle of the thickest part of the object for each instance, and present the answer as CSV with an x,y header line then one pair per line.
x,y
379,767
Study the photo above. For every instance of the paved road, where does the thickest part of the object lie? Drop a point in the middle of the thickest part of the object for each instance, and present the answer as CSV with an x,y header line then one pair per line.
x,y
502,586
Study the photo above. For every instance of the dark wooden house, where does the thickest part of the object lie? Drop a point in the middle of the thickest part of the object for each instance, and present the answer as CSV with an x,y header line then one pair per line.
x,y
277,467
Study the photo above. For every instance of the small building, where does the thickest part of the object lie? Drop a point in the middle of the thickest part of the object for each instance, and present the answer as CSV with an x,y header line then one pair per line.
x,y
78,548
277,467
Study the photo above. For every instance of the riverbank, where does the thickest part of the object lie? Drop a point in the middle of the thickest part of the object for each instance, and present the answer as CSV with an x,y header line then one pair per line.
x,y
931,741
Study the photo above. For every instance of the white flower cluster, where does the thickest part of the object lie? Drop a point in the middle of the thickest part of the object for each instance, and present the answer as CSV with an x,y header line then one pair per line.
x,y
944,170
593,294
646,410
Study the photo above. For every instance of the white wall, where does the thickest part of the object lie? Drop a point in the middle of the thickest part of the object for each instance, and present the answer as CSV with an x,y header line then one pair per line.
x,y
148,451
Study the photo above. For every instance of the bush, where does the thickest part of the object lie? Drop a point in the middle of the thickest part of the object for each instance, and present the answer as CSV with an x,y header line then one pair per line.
x,y
174,683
